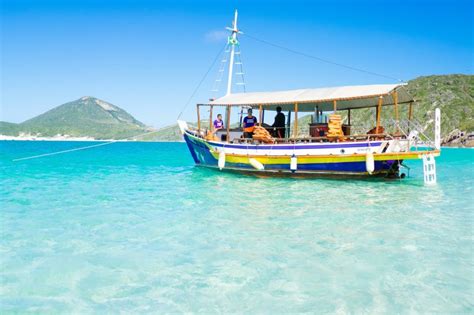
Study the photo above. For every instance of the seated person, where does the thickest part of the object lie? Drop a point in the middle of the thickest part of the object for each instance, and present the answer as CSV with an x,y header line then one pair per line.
x,y
249,124
218,123
279,124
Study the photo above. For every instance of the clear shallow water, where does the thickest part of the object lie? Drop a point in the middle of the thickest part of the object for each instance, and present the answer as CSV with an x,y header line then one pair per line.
x,y
135,227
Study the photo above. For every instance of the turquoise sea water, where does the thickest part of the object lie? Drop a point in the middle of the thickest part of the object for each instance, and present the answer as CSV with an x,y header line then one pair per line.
x,y
135,227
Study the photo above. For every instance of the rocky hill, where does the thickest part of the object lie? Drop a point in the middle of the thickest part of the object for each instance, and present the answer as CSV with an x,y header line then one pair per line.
x,y
85,117
454,95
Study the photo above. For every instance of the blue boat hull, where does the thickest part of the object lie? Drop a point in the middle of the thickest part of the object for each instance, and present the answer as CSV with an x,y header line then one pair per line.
x,y
203,156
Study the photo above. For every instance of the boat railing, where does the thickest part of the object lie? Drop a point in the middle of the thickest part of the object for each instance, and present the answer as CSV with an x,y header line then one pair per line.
x,y
402,129
308,139
414,132
360,137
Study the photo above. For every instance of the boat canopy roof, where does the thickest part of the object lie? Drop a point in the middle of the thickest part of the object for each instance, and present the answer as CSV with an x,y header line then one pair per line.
x,y
346,97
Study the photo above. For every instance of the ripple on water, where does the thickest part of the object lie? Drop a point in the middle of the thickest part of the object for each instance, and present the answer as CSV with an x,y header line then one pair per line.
x,y
134,227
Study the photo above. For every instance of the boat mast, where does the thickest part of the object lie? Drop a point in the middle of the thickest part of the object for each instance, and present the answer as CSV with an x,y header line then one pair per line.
x,y
232,41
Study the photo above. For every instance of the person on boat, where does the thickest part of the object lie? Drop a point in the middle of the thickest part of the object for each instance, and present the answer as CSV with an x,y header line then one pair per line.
x,y
249,124
218,123
279,124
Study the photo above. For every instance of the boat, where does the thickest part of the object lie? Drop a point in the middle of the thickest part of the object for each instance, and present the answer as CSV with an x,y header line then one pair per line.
x,y
328,144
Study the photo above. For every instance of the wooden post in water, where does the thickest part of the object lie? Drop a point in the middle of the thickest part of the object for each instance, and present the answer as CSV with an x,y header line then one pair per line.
x,y
295,131
379,110
198,118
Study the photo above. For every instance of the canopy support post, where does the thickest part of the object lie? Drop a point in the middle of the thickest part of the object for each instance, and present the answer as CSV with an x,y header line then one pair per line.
x,y
210,118
295,131
334,105
395,102
288,125
349,116
241,116
379,110
260,115
198,117
228,123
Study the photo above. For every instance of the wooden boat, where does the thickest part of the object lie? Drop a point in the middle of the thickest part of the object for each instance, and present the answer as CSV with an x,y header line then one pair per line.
x,y
325,146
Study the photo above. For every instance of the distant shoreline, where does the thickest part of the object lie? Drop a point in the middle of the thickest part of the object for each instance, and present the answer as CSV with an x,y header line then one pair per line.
x,y
78,139
73,139
31,138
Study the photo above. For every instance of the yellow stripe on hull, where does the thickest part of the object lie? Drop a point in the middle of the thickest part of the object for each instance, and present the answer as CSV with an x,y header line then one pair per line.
x,y
307,159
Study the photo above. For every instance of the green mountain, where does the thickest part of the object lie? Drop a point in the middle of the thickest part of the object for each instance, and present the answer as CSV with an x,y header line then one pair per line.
x,y
9,129
85,117
453,94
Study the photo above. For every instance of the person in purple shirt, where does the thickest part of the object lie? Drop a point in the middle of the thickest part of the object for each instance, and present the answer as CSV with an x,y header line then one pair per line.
x,y
218,123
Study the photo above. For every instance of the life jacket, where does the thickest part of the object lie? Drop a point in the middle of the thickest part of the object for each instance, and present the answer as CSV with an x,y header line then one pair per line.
x,y
249,129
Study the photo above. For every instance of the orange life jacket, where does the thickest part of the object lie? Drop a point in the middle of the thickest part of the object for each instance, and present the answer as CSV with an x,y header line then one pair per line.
x,y
249,129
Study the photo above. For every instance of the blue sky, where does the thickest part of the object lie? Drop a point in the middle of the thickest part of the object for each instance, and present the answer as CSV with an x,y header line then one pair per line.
x,y
148,56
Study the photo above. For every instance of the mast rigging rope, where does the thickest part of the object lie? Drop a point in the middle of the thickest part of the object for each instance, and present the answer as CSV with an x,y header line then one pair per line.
x,y
200,82
320,59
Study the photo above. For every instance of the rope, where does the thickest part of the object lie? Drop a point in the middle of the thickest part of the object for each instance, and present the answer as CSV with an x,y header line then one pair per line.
x,y
200,82
321,59
64,151
84,148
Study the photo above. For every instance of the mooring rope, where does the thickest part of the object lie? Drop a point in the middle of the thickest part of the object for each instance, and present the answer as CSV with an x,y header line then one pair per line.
x,y
86,147
60,152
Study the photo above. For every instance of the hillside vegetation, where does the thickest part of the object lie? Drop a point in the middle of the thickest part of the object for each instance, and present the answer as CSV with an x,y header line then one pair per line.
x,y
453,94
85,117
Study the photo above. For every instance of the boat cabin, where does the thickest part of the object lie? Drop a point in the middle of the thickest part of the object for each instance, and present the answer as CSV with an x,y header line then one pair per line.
x,y
323,105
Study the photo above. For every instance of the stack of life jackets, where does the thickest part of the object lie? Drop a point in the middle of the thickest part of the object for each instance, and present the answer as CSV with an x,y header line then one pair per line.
x,y
261,134
335,127
210,136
